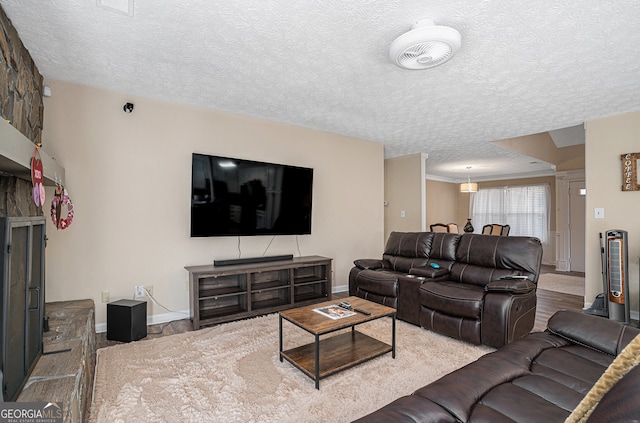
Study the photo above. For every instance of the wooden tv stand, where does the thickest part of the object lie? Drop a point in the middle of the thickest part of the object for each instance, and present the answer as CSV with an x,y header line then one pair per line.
x,y
223,293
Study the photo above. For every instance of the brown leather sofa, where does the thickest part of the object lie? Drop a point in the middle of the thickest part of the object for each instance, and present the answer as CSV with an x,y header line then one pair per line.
x,y
456,285
539,378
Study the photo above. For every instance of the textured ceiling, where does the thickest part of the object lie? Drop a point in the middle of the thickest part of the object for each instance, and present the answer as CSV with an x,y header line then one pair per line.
x,y
523,68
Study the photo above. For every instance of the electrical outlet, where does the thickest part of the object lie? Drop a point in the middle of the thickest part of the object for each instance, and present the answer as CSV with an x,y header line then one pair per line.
x,y
149,289
106,296
599,213
138,291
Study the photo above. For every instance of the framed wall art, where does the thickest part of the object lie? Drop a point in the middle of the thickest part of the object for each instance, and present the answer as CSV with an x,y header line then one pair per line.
x,y
630,171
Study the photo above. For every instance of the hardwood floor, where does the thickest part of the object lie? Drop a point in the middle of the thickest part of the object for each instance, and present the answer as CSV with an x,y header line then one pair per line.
x,y
549,302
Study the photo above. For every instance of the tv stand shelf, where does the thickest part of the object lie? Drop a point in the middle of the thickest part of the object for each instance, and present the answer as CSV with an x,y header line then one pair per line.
x,y
220,294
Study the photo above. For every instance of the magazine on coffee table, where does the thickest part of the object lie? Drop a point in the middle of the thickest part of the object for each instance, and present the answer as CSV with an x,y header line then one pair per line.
x,y
334,312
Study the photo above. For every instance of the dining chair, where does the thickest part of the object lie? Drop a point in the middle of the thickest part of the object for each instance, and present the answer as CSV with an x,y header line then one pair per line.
x,y
496,229
439,227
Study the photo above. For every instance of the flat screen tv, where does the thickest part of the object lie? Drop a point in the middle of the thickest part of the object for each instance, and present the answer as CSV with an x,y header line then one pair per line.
x,y
236,197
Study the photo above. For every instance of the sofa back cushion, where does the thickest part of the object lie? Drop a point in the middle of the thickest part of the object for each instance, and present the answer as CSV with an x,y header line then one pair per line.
x,y
483,258
443,249
405,250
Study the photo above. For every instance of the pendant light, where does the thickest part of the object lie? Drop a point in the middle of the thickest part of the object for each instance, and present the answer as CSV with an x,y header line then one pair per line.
x,y
468,186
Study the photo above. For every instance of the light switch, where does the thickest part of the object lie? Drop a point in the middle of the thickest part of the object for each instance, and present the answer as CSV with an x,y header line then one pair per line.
x,y
599,213
402,213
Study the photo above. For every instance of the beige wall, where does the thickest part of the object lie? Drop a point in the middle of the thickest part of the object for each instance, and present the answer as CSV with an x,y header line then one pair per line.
x,y
606,140
541,146
129,177
404,190
442,203
571,158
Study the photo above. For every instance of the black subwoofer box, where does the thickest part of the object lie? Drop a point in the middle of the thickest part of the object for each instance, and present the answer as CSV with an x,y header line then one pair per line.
x,y
126,320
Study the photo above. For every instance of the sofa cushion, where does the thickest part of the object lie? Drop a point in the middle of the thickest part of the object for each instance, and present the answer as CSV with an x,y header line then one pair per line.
x,y
405,250
443,246
507,401
453,298
459,391
382,282
409,244
538,378
457,327
491,257
409,409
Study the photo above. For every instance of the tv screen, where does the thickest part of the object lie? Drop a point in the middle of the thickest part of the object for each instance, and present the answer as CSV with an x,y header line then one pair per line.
x,y
233,197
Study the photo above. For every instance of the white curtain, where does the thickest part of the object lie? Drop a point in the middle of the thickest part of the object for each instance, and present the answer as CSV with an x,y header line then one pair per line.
x,y
524,208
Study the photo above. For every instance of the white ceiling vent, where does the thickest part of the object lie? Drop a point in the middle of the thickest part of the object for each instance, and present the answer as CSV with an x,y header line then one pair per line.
x,y
427,45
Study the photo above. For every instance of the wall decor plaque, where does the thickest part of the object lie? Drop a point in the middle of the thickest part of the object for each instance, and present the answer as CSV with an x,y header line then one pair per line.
x,y
630,171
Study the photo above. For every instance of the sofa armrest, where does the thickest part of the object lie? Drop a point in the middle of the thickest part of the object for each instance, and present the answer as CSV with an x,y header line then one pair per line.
x,y
428,272
514,286
369,264
507,316
602,334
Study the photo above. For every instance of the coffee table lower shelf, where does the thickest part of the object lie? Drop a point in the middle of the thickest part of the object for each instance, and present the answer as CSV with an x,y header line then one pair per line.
x,y
336,353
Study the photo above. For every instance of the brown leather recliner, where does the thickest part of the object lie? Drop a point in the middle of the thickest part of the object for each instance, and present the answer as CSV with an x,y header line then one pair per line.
x,y
452,283
476,303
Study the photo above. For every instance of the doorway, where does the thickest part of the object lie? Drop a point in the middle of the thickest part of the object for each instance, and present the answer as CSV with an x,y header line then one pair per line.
x,y
577,226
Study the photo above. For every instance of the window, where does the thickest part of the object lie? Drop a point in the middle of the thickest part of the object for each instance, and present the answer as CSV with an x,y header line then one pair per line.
x,y
524,208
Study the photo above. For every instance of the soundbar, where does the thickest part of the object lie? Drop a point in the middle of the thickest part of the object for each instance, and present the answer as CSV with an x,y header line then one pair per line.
x,y
228,262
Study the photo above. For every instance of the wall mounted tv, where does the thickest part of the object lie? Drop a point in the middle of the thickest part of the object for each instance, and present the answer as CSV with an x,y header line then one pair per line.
x,y
235,197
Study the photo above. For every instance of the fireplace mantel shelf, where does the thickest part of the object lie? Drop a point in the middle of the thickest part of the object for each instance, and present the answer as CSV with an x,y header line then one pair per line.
x,y
16,152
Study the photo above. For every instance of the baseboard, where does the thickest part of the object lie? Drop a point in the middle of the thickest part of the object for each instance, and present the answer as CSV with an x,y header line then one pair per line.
x,y
633,314
170,317
562,266
340,288
153,320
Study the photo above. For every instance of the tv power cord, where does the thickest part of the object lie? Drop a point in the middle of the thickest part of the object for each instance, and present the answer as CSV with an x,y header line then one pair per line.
x,y
153,300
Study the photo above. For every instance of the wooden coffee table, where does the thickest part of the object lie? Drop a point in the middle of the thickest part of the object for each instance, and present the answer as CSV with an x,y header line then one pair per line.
x,y
331,355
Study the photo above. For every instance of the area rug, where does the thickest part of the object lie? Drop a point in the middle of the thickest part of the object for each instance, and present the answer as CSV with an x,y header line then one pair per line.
x,y
232,373
564,284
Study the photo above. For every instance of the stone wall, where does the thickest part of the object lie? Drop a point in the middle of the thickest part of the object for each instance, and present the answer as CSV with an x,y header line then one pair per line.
x,y
21,104
16,198
67,374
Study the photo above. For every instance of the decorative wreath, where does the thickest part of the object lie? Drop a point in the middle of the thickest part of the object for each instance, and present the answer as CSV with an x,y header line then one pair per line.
x,y
59,200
